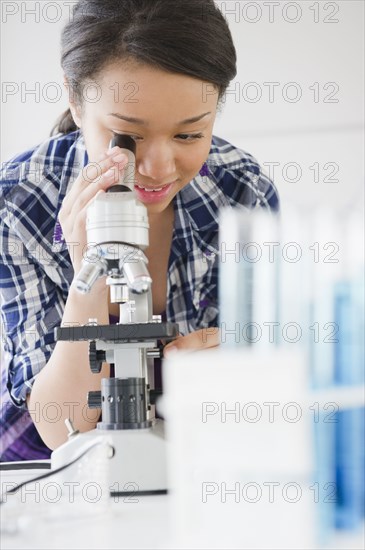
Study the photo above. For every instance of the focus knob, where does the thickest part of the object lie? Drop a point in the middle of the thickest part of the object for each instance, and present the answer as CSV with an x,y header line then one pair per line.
x,y
94,399
96,357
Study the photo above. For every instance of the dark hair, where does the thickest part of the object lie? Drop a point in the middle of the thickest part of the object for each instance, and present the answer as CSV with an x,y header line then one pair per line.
x,y
188,37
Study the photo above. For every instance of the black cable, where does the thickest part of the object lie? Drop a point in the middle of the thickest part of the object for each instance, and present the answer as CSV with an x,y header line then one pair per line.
x,y
24,465
50,473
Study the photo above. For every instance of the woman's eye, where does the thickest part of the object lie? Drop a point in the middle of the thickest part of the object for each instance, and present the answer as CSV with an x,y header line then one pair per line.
x,y
182,137
189,137
136,138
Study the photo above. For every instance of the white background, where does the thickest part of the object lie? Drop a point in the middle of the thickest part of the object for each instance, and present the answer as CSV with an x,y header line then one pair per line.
x,y
313,49
297,99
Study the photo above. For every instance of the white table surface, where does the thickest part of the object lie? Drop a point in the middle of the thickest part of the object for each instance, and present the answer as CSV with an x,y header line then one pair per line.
x,y
132,522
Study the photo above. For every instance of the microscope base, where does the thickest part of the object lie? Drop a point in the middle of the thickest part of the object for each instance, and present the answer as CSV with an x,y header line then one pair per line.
x,y
138,464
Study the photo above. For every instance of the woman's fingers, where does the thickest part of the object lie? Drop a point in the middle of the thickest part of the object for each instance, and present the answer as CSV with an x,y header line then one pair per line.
x,y
105,180
94,170
95,177
92,178
201,339
81,218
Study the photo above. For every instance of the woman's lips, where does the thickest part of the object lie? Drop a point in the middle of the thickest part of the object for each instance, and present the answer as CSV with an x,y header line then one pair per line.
x,y
151,196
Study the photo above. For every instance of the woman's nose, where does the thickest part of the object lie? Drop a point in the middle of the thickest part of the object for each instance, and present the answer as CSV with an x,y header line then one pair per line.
x,y
157,164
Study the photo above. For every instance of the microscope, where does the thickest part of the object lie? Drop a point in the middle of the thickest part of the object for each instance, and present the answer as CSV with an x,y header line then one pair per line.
x,y
117,233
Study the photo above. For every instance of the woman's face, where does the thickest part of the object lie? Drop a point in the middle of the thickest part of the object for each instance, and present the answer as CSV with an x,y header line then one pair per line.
x,y
155,108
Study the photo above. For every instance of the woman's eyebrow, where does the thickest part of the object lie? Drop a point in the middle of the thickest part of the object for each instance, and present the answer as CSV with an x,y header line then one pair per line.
x,y
134,120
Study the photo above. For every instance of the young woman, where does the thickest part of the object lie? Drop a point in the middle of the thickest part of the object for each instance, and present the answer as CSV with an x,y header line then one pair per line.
x,y
155,70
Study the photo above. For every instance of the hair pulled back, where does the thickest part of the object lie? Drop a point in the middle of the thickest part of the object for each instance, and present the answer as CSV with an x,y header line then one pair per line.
x,y
187,37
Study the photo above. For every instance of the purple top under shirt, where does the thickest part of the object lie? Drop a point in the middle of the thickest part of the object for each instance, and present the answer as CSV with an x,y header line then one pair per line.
x,y
26,441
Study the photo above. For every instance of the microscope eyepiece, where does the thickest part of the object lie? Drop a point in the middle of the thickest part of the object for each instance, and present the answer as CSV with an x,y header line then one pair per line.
x,y
127,176
118,189
124,142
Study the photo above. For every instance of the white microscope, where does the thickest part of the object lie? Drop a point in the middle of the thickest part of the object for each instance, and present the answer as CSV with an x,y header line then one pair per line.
x,y
117,233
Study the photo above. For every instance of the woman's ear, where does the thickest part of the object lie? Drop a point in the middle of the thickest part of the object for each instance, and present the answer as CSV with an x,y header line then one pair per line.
x,y
75,108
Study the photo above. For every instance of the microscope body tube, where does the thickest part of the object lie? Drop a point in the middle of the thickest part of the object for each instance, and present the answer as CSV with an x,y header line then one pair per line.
x,y
117,219
117,231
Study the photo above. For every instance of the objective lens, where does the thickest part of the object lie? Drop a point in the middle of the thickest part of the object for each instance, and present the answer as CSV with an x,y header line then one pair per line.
x,y
87,276
137,275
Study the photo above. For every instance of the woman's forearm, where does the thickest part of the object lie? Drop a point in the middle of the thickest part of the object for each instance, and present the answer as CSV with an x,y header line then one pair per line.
x,y
60,389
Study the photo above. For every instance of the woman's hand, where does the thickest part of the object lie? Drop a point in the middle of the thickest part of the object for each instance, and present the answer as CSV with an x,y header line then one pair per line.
x,y
201,339
95,178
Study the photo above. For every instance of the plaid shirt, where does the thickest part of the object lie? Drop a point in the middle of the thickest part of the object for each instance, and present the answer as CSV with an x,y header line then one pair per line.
x,y
36,269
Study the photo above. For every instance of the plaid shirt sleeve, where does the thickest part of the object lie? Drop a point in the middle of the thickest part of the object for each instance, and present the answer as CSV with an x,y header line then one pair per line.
x,y
31,309
32,288
241,177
